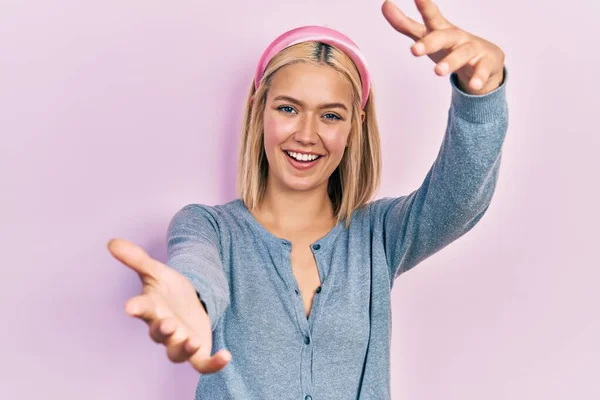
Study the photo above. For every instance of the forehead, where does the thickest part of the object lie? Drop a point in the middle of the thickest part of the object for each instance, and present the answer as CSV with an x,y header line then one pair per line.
x,y
311,83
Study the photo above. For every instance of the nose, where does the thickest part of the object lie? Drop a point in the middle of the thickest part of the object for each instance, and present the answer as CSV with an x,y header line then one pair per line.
x,y
306,132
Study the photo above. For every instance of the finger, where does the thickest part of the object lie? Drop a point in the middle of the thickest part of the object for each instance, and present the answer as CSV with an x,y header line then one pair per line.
x,y
459,57
208,365
439,40
192,345
182,350
432,17
141,307
402,23
482,72
162,329
176,337
180,346
134,257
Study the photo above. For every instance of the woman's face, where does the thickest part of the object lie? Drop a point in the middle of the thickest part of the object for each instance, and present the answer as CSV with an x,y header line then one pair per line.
x,y
307,121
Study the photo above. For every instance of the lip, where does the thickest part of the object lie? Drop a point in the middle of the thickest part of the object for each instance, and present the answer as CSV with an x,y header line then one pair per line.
x,y
302,166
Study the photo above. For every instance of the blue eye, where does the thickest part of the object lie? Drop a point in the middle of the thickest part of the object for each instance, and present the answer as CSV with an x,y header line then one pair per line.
x,y
290,110
286,109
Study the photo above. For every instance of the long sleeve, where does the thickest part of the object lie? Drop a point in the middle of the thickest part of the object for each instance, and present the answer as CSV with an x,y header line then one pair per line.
x,y
193,250
458,188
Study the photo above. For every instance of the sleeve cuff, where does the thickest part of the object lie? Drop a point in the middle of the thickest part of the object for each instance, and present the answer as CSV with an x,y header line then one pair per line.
x,y
479,109
202,302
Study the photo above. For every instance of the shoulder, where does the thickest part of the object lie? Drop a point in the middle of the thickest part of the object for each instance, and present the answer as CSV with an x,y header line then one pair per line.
x,y
380,207
215,211
203,217
366,215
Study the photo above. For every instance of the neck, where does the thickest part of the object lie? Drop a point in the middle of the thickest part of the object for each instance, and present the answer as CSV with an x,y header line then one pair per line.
x,y
292,210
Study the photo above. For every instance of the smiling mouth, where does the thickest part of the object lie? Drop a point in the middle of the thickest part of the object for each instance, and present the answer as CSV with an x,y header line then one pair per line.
x,y
303,158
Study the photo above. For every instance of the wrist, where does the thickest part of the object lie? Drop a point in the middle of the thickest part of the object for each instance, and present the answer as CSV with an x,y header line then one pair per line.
x,y
492,84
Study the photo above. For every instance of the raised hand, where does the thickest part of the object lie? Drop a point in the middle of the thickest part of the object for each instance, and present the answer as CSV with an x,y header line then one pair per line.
x,y
478,63
170,306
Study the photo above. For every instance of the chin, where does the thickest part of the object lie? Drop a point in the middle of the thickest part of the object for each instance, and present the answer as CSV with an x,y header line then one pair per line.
x,y
297,184
300,186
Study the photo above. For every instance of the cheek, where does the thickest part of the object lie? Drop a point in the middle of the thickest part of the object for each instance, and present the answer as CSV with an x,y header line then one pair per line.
x,y
276,131
335,140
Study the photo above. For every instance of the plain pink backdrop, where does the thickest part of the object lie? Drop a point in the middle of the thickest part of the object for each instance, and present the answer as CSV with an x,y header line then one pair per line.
x,y
115,114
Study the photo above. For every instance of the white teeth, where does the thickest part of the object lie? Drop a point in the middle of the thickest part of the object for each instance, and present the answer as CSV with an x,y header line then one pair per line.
x,y
303,157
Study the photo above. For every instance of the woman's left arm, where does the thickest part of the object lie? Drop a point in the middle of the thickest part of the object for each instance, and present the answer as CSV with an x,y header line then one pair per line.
x,y
458,189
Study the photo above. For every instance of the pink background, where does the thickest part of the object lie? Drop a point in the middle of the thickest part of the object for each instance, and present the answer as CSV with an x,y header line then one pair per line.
x,y
115,114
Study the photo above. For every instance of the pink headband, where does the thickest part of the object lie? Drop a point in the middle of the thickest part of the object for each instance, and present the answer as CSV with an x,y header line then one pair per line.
x,y
317,34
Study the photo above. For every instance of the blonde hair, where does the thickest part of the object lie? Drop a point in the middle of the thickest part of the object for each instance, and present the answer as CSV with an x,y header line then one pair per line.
x,y
356,179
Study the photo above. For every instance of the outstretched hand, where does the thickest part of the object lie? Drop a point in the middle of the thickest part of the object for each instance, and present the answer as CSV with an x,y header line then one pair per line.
x,y
170,306
478,63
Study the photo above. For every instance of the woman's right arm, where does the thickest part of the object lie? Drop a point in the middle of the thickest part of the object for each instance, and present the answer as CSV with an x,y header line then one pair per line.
x,y
193,249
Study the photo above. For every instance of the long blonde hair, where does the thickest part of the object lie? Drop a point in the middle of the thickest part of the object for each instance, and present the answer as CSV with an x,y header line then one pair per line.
x,y
356,179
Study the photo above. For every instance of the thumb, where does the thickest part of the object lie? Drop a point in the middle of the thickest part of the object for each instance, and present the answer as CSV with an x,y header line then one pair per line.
x,y
205,364
402,23
134,257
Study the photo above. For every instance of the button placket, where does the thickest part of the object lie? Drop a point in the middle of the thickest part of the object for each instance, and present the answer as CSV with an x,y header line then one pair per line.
x,y
297,302
316,304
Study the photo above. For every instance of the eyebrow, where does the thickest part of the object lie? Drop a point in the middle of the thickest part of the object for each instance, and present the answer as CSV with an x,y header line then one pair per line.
x,y
299,103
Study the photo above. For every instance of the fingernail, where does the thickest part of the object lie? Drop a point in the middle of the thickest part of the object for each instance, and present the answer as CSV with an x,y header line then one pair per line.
x,y
419,48
131,309
442,68
477,83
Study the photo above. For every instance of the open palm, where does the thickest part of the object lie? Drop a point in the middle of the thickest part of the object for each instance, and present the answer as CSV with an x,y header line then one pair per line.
x,y
170,306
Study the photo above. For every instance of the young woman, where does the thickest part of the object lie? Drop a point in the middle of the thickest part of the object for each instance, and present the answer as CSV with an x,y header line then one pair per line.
x,y
294,278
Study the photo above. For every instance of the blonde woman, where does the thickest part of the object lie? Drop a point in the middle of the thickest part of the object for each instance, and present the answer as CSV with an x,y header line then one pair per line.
x,y
284,293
